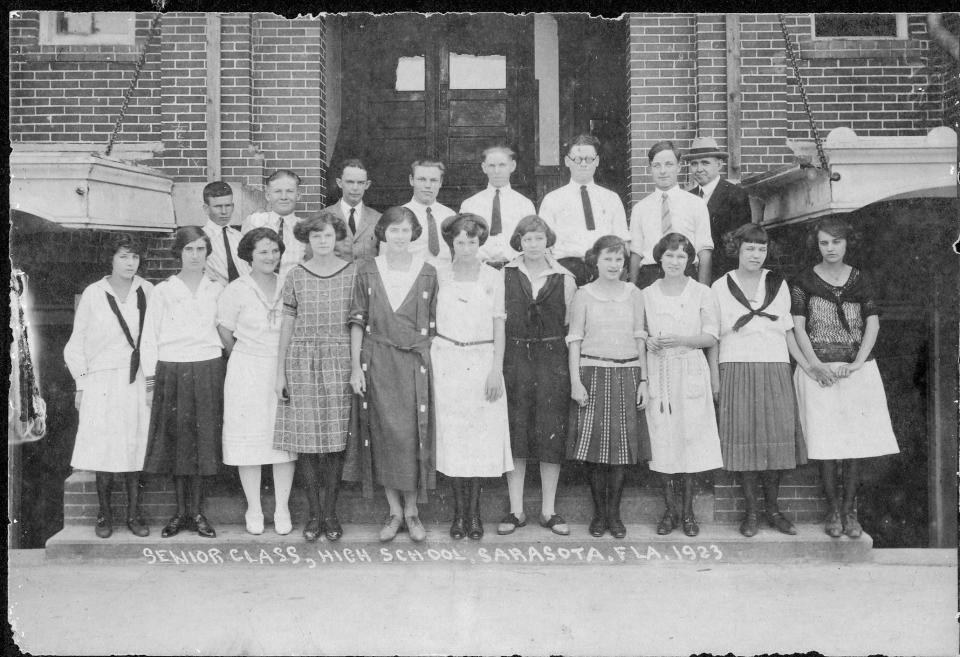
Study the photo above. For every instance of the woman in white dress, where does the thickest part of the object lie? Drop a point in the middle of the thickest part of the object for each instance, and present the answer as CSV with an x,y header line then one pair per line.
x,y
103,356
680,318
248,320
473,433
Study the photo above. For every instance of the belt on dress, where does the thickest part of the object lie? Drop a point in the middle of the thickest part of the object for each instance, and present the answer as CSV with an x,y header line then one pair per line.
x,y
611,360
464,344
535,340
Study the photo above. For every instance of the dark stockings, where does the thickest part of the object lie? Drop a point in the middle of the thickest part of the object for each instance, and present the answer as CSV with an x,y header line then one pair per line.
x,y
598,489
771,491
687,480
132,482
851,482
459,485
473,486
615,478
751,487
332,473
103,493
194,485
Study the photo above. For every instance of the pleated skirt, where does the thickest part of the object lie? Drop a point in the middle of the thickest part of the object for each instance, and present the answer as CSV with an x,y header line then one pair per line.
x,y
846,420
759,421
609,428
186,419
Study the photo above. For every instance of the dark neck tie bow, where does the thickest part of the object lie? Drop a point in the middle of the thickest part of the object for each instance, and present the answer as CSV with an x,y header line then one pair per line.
x,y
771,284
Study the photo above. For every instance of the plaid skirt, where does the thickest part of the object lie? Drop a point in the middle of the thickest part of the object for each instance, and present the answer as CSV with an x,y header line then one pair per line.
x,y
609,428
759,421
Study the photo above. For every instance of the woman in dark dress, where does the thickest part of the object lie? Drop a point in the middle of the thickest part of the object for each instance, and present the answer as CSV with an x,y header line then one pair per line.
x,y
538,294
393,318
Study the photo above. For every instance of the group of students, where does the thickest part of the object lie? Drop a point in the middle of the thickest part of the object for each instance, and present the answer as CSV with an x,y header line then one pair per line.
x,y
349,332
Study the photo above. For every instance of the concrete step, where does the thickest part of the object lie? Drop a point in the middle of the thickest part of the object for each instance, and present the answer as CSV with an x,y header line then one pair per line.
x,y
716,544
225,504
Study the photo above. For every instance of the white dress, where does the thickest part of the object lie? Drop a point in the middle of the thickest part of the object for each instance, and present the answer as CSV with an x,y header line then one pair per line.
x,y
680,414
473,435
114,416
249,398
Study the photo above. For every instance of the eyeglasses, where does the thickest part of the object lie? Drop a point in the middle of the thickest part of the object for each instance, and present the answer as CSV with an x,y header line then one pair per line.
x,y
583,160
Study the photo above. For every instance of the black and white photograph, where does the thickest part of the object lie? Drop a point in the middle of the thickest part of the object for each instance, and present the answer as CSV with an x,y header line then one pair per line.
x,y
448,331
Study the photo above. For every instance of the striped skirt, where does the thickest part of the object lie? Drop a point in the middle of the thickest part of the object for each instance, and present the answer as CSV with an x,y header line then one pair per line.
x,y
609,428
186,419
759,421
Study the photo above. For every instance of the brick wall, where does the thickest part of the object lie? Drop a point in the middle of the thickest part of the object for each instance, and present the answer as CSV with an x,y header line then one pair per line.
x,y
662,64
288,100
73,94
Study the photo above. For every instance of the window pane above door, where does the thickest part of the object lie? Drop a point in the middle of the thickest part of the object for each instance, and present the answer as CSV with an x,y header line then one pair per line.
x,y
478,71
411,72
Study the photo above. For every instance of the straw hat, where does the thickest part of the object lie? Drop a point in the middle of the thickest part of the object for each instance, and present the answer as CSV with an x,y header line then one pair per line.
x,y
704,147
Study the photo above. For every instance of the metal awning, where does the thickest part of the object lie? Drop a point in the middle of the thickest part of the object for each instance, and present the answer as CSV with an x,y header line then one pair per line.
x,y
89,190
870,169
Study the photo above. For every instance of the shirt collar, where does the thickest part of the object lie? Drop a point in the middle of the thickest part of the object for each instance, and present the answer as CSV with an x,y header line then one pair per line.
x,y
414,204
710,186
506,188
553,267
346,207
669,192
590,185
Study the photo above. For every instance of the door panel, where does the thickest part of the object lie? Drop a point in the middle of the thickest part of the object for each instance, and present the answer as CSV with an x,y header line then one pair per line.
x,y
389,129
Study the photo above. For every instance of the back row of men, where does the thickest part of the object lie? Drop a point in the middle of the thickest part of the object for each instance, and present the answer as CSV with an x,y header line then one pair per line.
x,y
579,212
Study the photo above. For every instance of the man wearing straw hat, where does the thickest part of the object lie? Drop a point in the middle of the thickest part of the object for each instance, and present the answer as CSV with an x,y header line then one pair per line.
x,y
727,203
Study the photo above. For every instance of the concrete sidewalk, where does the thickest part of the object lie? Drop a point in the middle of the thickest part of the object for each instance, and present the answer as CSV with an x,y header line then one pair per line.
x,y
903,602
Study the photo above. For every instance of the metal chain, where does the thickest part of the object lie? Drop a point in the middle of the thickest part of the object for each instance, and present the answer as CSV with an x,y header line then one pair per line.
x,y
128,94
803,95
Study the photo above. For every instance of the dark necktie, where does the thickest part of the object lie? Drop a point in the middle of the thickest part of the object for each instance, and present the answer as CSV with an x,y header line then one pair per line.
x,y
587,208
232,273
772,285
433,239
699,191
142,310
496,223
280,236
352,222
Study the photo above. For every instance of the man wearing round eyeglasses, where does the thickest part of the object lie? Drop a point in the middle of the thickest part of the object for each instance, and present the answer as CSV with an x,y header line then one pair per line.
x,y
582,211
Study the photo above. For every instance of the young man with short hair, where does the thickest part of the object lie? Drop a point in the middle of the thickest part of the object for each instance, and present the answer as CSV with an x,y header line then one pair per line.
x,y
223,265
426,179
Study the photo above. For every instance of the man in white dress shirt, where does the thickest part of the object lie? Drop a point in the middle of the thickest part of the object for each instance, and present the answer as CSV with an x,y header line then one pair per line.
x,y
426,178
668,209
358,217
282,193
582,211
223,265
499,204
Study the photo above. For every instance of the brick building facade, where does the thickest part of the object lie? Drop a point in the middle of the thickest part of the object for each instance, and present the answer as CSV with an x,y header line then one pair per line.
x,y
234,96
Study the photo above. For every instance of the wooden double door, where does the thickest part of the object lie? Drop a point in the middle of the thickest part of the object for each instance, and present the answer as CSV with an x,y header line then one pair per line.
x,y
436,87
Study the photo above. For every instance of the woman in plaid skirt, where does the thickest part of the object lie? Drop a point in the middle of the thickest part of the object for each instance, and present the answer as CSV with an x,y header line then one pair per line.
x,y
608,380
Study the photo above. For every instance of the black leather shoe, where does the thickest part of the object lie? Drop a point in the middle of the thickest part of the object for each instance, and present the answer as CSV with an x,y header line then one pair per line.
x,y
690,526
137,527
311,532
783,525
458,529
668,522
331,528
475,528
104,526
598,526
204,528
617,528
174,525
750,525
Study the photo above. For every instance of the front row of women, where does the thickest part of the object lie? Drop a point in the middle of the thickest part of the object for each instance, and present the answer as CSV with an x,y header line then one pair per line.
x,y
469,371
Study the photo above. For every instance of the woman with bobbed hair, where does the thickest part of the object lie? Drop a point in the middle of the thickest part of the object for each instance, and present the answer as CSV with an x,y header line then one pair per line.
x,y
608,380
248,319
313,368
473,436
680,319
538,295
182,349
392,319
103,355
843,407
760,433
